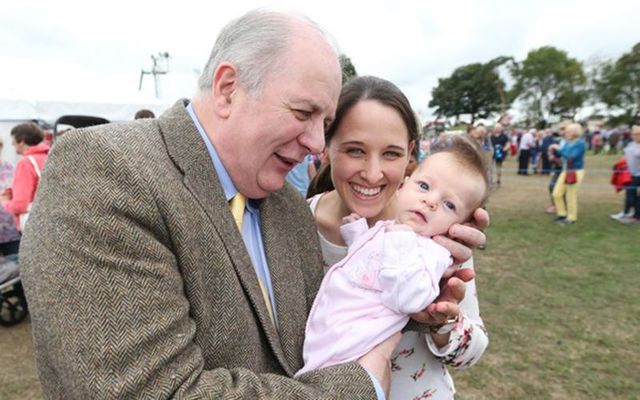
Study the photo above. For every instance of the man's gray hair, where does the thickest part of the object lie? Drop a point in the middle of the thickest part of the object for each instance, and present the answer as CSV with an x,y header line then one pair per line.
x,y
253,43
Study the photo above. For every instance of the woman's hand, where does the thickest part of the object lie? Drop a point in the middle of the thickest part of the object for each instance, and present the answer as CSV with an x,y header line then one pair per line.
x,y
446,306
461,239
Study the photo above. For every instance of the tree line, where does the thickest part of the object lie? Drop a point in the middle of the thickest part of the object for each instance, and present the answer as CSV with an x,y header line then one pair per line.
x,y
546,85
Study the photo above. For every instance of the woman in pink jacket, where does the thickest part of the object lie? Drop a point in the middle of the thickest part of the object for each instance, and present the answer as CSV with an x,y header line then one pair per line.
x,y
27,139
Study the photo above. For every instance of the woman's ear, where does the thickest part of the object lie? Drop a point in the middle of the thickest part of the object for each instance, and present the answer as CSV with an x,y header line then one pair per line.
x,y
412,145
405,180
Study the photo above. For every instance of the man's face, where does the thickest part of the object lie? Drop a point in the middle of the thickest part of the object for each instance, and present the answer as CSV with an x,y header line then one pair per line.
x,y
440,193
19,147
275,129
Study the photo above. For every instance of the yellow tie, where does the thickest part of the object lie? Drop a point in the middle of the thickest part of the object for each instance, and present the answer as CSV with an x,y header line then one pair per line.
x,y
237,205
237,208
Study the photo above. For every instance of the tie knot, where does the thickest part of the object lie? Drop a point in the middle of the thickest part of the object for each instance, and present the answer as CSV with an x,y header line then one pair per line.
x,y
237,205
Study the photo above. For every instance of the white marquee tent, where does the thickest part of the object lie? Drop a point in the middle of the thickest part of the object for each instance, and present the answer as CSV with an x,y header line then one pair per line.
x,y
15,111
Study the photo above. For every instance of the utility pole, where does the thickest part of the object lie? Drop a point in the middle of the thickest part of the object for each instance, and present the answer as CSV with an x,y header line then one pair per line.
x,y
160,67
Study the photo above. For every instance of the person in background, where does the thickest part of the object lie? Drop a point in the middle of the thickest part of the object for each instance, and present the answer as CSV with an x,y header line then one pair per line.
x,y
515,140
547,140
527,143
565,194
596,140
368,146
182,266
613,140
536,162
27,140
144,113
500,144
479,134
632,199
555,162
626,137
9,235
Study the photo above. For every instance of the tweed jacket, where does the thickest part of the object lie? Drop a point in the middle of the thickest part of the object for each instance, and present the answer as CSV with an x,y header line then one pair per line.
x,y
139,283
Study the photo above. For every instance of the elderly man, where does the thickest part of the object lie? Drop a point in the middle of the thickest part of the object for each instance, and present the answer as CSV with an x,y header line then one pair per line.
x,y
148,275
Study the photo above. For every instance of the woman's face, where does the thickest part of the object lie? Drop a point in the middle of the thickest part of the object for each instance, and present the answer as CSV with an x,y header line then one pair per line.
x,y
368,155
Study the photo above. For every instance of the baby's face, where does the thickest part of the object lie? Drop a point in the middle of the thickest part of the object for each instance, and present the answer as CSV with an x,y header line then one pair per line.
x,y
440,193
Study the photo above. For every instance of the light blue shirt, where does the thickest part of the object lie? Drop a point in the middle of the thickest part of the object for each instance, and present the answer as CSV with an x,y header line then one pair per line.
x,y
251,233
299,175
251,228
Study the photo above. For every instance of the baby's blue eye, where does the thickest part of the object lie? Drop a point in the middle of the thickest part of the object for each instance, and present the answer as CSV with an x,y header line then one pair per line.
x,y
450,205
423,185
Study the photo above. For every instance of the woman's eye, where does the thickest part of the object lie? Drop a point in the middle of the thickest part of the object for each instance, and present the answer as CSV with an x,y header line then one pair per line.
x,y
355,152
392,154
423,185
450,205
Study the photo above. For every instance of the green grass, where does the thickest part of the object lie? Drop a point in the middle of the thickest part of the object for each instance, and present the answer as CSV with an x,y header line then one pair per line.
x,y
561,303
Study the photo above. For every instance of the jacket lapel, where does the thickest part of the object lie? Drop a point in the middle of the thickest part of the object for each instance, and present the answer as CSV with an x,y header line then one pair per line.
x,y
189,153
286,276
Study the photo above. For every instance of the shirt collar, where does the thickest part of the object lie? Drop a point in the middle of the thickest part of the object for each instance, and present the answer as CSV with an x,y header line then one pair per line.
x,y
225,179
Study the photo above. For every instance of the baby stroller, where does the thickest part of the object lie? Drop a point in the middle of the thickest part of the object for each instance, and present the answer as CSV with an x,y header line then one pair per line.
x,y
75,121
13,304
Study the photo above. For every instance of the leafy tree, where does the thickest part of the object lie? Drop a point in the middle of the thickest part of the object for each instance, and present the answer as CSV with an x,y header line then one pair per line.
x,y
549,83
473,89
617,84
348,70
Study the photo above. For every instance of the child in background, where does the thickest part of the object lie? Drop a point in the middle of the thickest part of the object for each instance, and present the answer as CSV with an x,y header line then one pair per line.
x,y
393,269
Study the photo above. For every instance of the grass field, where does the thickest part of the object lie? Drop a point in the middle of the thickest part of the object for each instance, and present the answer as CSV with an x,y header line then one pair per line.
x,y
561,303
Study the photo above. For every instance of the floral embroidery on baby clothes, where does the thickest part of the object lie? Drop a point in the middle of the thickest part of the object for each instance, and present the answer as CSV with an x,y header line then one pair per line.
x,y
364,274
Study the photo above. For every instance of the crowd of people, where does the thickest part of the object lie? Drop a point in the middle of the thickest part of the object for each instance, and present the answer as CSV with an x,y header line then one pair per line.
x,y
192,270
560,152
629,168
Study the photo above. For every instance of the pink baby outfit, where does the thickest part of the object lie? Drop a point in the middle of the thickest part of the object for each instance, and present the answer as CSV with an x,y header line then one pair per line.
x,y
367,296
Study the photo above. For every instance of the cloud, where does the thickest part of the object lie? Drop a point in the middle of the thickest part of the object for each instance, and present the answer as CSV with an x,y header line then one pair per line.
x,y
97,49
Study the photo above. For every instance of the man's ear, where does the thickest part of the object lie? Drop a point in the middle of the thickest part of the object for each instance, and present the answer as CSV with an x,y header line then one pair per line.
x,y
225,84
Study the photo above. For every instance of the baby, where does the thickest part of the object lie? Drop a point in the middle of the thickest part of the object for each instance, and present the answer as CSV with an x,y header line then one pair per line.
x,y
393,269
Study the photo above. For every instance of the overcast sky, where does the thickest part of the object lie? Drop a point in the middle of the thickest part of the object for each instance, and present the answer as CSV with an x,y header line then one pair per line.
x,y
94,50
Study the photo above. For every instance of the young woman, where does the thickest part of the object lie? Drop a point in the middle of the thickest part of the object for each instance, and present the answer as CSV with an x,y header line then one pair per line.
x,y
367,148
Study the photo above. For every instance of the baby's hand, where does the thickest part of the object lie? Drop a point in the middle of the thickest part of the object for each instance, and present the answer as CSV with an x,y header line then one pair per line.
x,y
353,217
397,227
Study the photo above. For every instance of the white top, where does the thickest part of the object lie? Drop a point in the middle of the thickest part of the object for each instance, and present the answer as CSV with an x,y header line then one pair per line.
x,y
527,141
418,366
632,155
